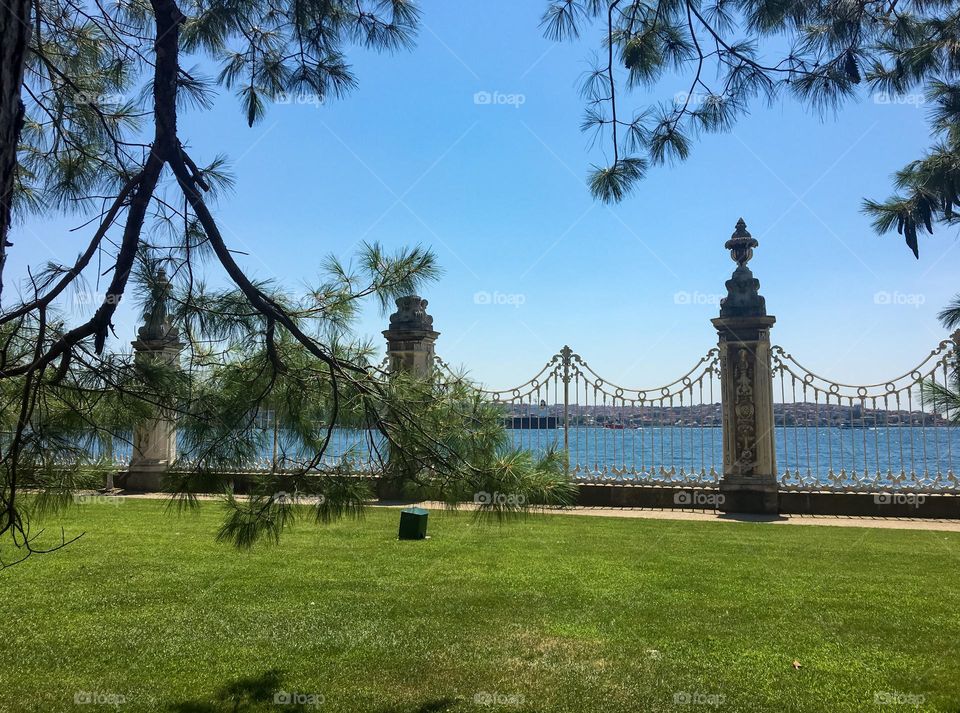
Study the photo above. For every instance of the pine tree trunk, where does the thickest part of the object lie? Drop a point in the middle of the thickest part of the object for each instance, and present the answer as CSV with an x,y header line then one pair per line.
x,y
14,32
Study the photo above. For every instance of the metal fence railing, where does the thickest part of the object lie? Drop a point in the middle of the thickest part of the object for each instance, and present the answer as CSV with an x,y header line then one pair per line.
x,y
668,433
900,434
828,435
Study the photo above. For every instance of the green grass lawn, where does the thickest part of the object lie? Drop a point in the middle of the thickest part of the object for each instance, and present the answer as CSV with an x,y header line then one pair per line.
x,y
552,613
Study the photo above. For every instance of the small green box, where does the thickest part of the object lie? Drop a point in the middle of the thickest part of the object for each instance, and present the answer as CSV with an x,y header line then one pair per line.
x,y
413,524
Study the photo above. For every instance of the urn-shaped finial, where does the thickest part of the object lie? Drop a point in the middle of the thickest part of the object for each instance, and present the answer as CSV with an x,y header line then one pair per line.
x,y
741,244
158,326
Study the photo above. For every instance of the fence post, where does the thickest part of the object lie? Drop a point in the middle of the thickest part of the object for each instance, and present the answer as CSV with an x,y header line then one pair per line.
x,y
410,350
749,483
565,356
155,439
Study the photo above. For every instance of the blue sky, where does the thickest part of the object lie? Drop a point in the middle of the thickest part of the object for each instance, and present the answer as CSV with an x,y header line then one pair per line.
x,y
498,191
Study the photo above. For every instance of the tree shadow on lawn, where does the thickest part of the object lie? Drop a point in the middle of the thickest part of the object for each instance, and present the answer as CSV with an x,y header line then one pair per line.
x,y
266,690
436,706
243,694
751,517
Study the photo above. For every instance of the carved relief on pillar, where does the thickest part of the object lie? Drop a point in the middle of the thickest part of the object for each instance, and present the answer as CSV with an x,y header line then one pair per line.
x,y
745,415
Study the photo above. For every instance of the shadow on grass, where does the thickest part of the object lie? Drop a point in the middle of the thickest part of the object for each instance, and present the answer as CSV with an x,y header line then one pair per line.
x,y
243,694
266,691
436,706
749,517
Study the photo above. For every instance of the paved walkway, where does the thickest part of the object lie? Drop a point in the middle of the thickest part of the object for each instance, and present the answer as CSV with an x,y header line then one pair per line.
x,y
886,523
889,523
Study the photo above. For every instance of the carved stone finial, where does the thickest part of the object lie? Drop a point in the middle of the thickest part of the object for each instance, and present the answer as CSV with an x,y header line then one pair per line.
x,y
741,244
411,314
743,289
411,337
158,325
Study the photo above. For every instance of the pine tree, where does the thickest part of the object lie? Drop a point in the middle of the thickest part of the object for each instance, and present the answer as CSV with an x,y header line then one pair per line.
x,y
730,55
944,397
102,89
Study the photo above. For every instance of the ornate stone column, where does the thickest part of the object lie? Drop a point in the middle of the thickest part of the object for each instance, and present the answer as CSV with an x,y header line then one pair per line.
x,y
155,439
749,483
410,350
411,338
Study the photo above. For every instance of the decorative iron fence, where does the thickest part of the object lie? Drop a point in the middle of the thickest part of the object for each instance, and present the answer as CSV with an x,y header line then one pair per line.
x,y
828,435
898,435
723,422
852,437
663,434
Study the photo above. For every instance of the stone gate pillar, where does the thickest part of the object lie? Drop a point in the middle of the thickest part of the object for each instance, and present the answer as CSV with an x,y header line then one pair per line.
x,y
410,350
749,482
411,338
155,439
